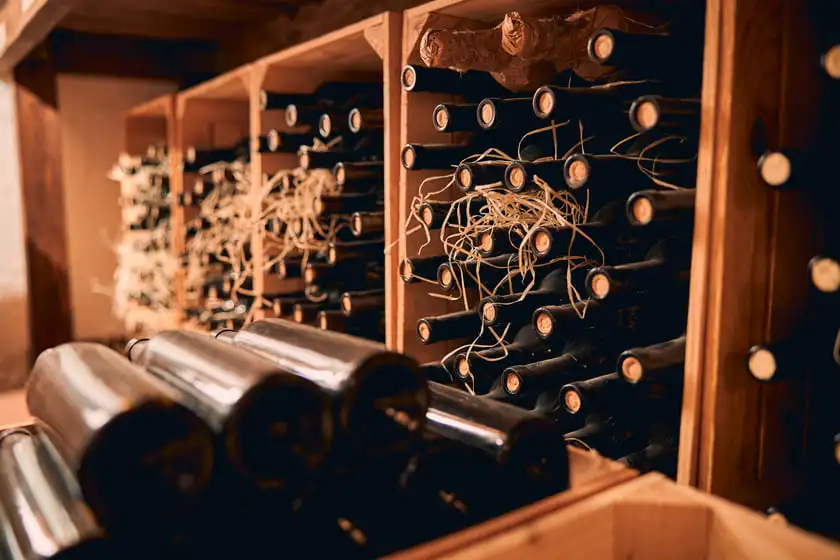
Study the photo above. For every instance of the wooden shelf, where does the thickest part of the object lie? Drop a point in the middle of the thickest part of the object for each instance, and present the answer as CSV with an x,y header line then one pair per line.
x,y
364,52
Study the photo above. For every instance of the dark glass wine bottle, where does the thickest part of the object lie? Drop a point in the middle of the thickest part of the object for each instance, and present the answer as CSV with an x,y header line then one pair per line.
x,y
517,310
472,84
646,207
651,362
368,250
418,157
668,264
470,175
498,113
411,270
668,114
453,326
367,223
571,103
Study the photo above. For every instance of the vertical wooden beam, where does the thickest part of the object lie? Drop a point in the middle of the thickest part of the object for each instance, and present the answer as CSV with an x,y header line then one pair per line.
x,y
750,270
43,202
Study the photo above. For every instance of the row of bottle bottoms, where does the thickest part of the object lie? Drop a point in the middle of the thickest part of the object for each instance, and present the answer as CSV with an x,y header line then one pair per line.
x,y
202,408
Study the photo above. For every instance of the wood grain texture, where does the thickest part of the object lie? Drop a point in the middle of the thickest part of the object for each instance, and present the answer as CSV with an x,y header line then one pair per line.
x,y
646,517
753,263
25,29
39,141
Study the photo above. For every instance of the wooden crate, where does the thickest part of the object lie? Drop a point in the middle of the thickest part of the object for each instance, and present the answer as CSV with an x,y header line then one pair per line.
x,y
212,114
590,473
367,51
649,517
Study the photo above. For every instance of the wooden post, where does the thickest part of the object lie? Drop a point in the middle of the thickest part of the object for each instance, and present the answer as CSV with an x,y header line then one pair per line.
x,y
39,141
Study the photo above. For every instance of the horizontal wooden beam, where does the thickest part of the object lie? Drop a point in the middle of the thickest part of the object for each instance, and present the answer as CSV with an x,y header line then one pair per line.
x,y
24,24
186,62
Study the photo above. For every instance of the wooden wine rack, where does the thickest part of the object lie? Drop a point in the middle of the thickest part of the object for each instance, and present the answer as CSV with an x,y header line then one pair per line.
x,y
749,267
365,52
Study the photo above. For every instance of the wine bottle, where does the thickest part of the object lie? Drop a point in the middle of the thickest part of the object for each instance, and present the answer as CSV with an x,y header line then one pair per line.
x,y
332,320
597,395
417,157
611,437
776,361
329,93
783,169
497,113
646,207
529,448
435,215
830,61
452,326
308,312
615,174
170,458
304,116
412,270
290,267
656,456
491,272
44,516
551,320
283,306
284,142
312,159
519,176
323,273
468,176
611,47
280,424
456,117
359,171
367,223
343,204
335,122
358,303
572,103
379,397
485,366
575,240
650,112
824,272
515,309
360,119
499,241
667,265
416,78
642,364
369,250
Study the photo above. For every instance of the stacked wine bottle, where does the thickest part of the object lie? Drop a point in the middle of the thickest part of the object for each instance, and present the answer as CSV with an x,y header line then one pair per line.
x,y
218,282
143,292
568,247
807,362
225,439
324,219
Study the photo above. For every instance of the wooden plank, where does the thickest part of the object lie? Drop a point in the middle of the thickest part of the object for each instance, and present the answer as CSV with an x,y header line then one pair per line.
x,y
39,141
391,38
590,475
755,271
25,24
649,517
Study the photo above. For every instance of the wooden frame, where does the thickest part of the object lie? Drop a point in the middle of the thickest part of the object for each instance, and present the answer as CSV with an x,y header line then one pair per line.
x,y
24,24
649,517
590,474
368,50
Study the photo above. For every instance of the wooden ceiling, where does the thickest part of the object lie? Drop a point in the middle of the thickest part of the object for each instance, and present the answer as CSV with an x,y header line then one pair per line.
x,y
195,19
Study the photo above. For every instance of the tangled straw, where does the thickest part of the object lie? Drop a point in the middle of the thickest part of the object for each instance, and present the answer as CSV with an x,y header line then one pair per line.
x,y
547,205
